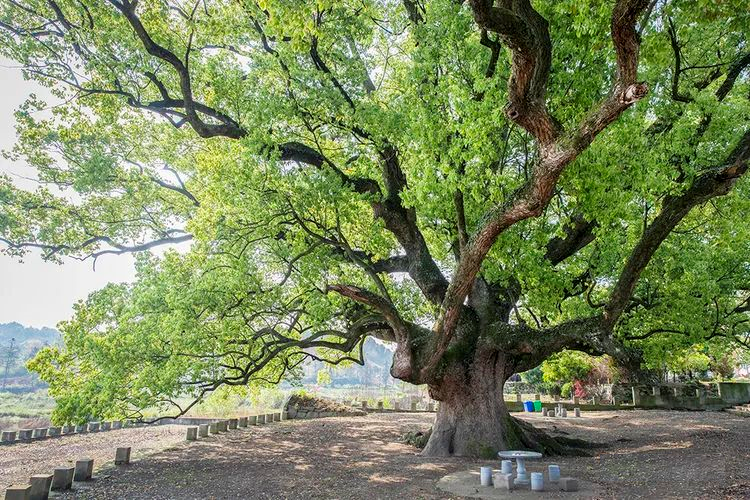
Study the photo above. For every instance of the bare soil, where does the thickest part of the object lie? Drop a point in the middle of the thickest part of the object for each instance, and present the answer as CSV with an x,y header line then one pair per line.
x,y
649,454
21,460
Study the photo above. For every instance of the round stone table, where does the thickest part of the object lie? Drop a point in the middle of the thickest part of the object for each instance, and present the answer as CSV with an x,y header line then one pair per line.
x,y
521,457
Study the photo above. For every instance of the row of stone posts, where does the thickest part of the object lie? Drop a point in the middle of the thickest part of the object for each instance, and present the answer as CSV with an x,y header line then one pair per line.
x,y
575,400
61,479
560,411
430,406
26,435
221,426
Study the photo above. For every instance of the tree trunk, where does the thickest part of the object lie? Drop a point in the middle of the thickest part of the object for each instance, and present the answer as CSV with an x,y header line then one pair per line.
x,y
473,420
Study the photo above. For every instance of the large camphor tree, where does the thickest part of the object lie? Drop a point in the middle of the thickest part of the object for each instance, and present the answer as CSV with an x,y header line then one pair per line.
x,y
481,184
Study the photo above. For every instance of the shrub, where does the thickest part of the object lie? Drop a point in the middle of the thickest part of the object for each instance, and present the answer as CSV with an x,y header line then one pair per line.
x,y
567,389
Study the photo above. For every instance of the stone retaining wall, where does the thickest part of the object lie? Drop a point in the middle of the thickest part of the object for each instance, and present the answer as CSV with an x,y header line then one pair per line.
x,y
302,407
683,397
717,396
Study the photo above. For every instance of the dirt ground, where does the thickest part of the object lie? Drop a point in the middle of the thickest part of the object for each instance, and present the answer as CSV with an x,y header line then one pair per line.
x,y
650,454
21,460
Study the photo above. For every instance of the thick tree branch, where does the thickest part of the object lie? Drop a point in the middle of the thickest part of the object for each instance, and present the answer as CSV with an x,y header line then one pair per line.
x,y
51,250
733,72
227,126
403,366
399,220
578,233
525,32
414,10
715,182
380,304
676,95
527,347
395,264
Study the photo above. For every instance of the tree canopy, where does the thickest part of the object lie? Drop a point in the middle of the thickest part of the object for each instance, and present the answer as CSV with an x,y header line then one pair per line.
x,y
451,177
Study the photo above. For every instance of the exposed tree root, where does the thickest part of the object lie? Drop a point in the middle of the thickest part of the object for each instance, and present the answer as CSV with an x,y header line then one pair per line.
x,y
522,435
538,440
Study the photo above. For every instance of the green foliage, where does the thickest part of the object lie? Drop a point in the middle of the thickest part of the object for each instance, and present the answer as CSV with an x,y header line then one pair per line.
x,y
121,170
566,390
567,366
535,376
324,377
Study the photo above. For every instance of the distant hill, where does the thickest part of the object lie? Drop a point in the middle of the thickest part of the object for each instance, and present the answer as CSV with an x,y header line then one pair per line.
x,y
18,344
375,372
28,340
25,333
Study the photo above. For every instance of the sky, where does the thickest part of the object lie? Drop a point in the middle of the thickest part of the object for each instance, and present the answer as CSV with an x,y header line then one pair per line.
x,y
37,293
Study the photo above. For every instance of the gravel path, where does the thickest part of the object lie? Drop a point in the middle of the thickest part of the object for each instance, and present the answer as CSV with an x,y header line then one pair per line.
x,y
21,460
649,454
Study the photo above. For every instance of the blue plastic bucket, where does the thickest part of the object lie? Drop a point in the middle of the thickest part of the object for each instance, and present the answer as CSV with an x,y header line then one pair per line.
x,y
529,406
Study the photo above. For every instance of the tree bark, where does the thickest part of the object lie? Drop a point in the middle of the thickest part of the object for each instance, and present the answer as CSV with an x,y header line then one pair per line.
x,y
473,420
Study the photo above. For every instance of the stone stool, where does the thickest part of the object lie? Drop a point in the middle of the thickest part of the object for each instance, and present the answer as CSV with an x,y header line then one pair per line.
x,y
192,434
84,469
203,430
40,485
485,476
568,484
18,492
122,455
553,472
62,478
503,481
537,481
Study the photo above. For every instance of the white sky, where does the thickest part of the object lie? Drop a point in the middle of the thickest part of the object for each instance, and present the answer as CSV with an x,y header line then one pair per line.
x,y
38,293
